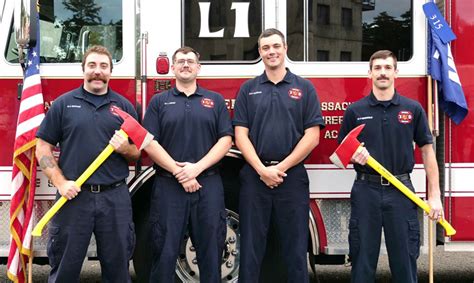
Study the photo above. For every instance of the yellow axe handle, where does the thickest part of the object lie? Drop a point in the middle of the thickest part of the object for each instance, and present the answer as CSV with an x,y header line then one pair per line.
x,y
38,230
406,191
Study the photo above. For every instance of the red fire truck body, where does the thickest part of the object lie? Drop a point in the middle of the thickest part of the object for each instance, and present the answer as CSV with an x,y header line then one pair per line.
x,y
143,34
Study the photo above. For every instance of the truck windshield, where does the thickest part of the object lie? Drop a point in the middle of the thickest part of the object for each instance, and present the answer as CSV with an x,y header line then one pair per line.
x,y
348,30
68,27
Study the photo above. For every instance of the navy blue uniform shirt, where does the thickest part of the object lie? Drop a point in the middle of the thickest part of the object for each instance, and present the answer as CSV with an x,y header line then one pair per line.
x,y
83,131
390,131
277,114
188,127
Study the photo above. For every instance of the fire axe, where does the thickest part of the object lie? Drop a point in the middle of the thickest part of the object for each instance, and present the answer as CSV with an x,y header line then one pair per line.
x,y
343,154
129,128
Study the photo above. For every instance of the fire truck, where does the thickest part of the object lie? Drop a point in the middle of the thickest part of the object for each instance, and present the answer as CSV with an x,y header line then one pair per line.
x,y
329,42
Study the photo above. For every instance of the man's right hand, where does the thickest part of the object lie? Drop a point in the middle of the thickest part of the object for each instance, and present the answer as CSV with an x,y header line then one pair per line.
x,y
68,189
191,186
360,156
272,176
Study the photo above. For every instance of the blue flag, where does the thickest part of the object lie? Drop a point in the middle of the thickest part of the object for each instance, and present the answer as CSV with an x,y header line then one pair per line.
x,y
442,68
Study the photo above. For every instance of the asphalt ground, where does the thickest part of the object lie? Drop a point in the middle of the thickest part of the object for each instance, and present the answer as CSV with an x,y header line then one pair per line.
x,y
449,267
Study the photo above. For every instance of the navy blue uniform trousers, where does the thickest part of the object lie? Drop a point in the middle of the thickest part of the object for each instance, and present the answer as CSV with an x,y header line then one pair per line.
x,y
172,211
374,206
288,205
108,215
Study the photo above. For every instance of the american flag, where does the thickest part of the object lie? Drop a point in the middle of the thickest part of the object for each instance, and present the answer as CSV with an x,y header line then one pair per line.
x,y
23,184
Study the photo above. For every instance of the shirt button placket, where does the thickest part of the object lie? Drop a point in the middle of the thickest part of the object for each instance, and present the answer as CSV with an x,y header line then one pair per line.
x,y
275,90
187,105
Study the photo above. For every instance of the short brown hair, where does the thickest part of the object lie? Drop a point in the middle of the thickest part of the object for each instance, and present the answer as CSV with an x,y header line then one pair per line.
x,y
269,32
383,54
185,50
99,49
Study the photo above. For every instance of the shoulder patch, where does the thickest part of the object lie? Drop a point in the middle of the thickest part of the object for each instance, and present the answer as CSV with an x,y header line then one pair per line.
x,y
207,102
295,93
405,117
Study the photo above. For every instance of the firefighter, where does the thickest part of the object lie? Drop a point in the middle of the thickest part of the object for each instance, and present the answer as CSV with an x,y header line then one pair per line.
x,y
193,129
277,124
81,123
392,124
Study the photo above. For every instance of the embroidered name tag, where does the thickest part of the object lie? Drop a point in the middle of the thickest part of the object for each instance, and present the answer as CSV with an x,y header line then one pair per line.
x,y
365,118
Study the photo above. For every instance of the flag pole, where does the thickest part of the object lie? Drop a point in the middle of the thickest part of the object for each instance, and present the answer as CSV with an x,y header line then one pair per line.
x,y
30,262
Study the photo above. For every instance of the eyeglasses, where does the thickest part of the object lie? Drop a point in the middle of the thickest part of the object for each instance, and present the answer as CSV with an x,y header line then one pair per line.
x,y
181,62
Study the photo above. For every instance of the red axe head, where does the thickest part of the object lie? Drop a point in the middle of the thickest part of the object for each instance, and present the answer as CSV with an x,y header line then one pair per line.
x,y
349,145
140,137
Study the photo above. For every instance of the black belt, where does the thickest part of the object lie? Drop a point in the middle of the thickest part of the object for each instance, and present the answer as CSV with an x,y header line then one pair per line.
x,y
101,188
270,162
208,172
380,179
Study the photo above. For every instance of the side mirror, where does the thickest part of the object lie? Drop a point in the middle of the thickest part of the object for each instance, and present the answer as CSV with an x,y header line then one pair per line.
x,y
25,25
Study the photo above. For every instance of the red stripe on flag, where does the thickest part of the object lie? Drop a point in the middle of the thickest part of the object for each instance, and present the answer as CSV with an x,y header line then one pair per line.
x,y
32,90
32,112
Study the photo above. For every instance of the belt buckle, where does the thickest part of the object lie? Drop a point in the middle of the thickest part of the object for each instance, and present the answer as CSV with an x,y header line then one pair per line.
x,y
95,189
387,183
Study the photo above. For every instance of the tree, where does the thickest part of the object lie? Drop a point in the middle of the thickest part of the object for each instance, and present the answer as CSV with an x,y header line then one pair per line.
x,y
386,32
84,13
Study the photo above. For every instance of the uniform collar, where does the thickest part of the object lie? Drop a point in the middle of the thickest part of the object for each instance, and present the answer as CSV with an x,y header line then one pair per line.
x,y
287,79
373,100
175,91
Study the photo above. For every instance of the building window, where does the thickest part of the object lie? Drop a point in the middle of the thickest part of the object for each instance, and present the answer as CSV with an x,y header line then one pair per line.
x,y
346,56
323,14
322,55
346,17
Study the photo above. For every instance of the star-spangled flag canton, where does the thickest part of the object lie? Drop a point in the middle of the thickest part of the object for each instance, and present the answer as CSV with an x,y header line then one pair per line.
x,y
442,68
23,184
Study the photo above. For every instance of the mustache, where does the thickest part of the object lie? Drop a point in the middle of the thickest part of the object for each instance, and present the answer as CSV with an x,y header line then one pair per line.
x,y
382,77
97,78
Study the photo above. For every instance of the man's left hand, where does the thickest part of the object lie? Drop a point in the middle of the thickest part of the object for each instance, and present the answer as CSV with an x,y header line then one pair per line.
x,y
436,211
188,171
